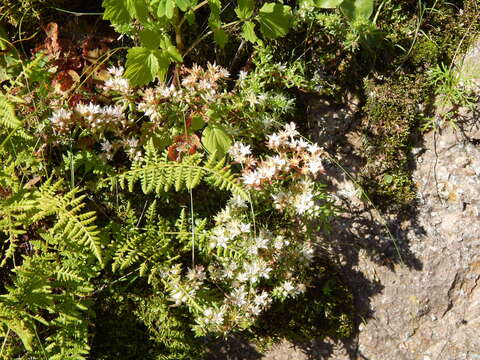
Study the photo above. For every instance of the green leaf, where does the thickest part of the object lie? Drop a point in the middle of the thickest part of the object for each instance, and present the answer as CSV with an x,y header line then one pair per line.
x,y
248,32
166,8
357,9
275,20
184,5
164,61
8,118
142,65
327,4
220,37
245,9
137,9
23,332
150,39
216,140
116,11
170,49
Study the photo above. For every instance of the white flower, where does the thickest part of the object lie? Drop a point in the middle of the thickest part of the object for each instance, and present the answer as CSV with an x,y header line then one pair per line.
x,y
288,287
261,242
244,228
229,270
214,316
290,130
278,161
251,178
238,202
281,200
301,144
239,152
60,117
196,274
223,216
116,71
238,296
279,242
315,166
242,75
275,141
301,288
266,172
303,202
313,149
261,299
222,236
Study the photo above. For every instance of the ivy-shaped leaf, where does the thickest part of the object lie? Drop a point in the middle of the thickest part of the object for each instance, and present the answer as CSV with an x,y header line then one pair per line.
x,y
216,140
116,11
357,9
275,20
142,65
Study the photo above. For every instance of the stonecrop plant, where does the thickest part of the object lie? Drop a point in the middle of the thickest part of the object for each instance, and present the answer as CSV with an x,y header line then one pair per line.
x,y
177,182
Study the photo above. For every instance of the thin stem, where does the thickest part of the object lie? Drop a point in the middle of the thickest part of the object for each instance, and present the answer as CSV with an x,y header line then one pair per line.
x,y
4,341
202,4
200,39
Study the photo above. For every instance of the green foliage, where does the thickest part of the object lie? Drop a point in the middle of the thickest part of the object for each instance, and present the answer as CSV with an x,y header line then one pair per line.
x,y
156,173
7,113
159,18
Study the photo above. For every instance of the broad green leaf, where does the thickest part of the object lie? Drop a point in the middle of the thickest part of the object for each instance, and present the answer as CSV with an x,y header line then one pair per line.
x,y
275,20
248,32
150,39
327,4
166,8
170,49
245,9
164,61
116,11
142,65
357,9
197,123
216,140
138,9
184,5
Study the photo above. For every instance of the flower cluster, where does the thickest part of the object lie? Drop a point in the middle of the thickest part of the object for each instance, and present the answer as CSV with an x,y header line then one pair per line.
x,y
90,116
293,157
251,267
116,82
198,88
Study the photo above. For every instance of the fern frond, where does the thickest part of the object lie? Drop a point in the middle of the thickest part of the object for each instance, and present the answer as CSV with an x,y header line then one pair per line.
x,y
8,118
71,222
158,173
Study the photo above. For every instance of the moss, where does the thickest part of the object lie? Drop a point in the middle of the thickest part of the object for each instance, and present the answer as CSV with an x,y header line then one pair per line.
x,y
391,118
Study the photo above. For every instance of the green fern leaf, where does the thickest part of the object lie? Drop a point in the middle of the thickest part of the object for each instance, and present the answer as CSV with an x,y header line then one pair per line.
x,y
8,118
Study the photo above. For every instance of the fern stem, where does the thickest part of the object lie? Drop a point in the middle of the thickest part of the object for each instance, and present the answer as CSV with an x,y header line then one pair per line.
x,y
40,342
193,228
4,341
